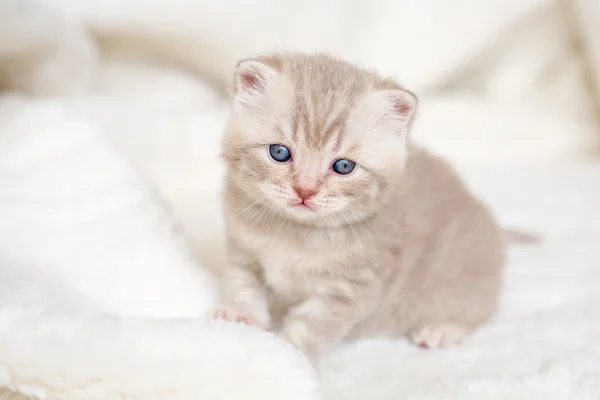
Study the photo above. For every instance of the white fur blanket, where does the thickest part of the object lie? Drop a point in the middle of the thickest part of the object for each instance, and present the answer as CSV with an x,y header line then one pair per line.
x,y
110,232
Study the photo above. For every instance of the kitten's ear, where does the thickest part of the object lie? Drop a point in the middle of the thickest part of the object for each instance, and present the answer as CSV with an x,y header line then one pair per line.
x,y
251,79
402,104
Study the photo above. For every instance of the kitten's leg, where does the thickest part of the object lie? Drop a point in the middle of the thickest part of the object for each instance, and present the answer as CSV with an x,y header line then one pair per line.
x,y
244,299
323,320
439,335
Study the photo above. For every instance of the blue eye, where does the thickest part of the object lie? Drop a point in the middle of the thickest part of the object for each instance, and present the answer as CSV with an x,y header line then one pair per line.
x,y
344,167
280,153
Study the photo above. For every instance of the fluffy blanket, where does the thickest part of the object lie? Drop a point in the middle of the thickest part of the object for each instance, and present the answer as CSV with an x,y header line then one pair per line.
x,y
111,235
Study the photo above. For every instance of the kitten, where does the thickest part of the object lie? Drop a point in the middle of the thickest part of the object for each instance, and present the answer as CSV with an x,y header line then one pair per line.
x,y
337,220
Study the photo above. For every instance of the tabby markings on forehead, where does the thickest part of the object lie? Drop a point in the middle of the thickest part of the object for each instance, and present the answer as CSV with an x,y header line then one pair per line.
x,y
319,122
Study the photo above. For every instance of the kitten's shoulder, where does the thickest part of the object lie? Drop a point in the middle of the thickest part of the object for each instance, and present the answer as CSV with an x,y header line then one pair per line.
x,y
422,164
433,183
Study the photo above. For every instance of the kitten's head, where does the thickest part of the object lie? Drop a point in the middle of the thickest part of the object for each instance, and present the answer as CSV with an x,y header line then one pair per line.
x,y
316,138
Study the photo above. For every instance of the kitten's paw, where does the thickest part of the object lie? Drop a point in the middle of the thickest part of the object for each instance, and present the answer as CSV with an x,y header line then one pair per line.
x,y
231,314
437,336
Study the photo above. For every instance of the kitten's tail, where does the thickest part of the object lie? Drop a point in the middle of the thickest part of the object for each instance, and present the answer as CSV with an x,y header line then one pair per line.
x,y
518,236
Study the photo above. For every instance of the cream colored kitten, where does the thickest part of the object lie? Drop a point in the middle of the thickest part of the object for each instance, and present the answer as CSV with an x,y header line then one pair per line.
x,y
337,223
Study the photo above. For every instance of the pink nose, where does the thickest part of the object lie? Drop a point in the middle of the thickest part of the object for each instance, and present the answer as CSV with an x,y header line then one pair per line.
x,y
305,193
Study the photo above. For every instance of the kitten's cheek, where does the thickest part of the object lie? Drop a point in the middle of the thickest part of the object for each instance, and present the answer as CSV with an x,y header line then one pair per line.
x,y
338,205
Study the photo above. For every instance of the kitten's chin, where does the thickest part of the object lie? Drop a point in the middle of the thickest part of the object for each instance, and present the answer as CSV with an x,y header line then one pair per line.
x,y
314,216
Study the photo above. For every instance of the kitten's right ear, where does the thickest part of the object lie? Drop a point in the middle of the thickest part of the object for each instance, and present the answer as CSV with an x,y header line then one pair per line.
x,y
251,79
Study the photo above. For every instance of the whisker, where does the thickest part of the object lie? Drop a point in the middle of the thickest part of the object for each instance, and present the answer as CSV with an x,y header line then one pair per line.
x,y
266,219
241,196
257,214
351,225
337,226
363,219
251,205
271,218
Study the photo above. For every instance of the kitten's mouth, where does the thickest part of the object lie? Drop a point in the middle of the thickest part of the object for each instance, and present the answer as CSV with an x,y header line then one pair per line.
x,y
302,205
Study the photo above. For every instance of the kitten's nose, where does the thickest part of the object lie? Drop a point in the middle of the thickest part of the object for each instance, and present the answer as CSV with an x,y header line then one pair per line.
x,y
305,193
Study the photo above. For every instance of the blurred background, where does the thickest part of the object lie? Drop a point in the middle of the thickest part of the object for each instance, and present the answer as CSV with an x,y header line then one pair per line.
x,y
487,71
502,84
111,113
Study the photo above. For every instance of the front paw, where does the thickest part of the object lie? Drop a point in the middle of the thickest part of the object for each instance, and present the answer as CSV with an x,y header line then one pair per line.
x,y
297,334
439,335
231,314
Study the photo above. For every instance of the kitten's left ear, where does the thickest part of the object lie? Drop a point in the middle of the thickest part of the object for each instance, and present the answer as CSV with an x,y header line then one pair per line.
x,y
401,104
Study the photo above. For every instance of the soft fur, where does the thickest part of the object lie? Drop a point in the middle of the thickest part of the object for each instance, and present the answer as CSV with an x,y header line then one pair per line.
x,y
399,246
